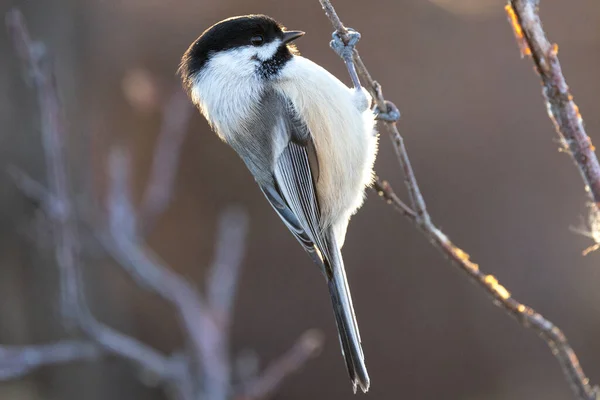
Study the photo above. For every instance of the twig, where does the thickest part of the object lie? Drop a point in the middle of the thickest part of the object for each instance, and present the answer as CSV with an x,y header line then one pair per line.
x,y
157,196
17,361
206,325
371,85
59,206
384,189
222,287
307,346
32,189
145,268
204,334
129,348
525,315
224,273
562,110
122,217
36,61
107,338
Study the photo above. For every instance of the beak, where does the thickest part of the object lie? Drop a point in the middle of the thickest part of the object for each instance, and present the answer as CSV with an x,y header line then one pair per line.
x,y
291,35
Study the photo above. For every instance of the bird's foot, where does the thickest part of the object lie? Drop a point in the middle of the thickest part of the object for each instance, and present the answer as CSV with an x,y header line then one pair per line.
x,y
392,114
344,50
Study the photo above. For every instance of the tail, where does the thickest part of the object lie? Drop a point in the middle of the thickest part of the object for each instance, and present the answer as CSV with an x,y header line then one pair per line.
x,y
346,321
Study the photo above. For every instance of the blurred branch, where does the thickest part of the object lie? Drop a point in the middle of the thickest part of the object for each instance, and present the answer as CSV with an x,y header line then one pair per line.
x,y
33,190
263,387
57,199
127,347
159,190
224,273
196,317
205,373
38,66
418,215
17,361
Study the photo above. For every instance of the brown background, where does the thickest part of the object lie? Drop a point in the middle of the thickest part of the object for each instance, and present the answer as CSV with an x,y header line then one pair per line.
x,y
482,147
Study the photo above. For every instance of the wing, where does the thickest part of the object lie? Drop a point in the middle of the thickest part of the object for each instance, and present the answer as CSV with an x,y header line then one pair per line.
x,y
293,195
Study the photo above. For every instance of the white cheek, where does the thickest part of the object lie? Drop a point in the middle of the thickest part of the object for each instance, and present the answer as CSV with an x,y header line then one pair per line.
x,y
228,90
268,50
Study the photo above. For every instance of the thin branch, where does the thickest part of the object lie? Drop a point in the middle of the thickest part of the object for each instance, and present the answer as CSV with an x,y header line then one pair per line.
x,y
122,216
385,190
159,189
109,339
32,189
308,346
207,370
129,348
17,361
224,273
525,315
34,57
75,311
562,110
206,337
221,288
370,84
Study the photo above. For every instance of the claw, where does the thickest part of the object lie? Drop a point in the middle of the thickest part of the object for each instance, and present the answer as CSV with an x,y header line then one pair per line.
x,y
344,50
391,115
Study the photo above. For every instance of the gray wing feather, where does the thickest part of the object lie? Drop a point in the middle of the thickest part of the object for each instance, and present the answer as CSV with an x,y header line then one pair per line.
x,y
293,194
294,178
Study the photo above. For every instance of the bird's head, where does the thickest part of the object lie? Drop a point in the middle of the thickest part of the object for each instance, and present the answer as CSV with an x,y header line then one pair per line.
x,y
250,45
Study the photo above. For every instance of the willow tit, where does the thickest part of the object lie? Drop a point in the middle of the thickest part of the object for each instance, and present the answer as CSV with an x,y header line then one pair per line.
x,y
308,140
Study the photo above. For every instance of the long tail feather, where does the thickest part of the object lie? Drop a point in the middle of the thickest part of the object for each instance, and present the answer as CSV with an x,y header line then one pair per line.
x,y
347,325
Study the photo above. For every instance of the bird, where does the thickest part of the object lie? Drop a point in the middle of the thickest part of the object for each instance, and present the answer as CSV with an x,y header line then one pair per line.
x,y
308,140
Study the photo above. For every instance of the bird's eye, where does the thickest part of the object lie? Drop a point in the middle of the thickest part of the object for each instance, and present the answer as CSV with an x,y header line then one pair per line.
x,y
257,40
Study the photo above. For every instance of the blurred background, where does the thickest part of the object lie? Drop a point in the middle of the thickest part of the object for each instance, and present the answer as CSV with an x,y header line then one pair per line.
x,y
484,151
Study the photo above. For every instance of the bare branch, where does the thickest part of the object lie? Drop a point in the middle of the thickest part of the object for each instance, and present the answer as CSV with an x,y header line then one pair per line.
x,y
207,369
31,188
195,316
224,274
159,190
385,190
17,361
501,297
562,110
113,341
308,346
36,61
371,85
122,217
13,364
206,337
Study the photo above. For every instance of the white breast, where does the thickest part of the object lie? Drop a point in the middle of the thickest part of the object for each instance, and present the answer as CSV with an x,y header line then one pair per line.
x,y
342,127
